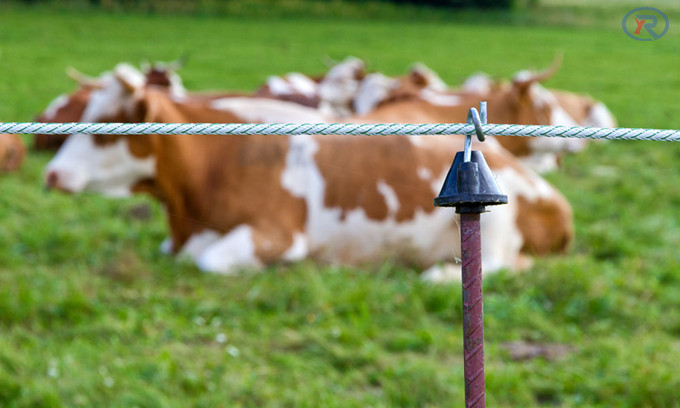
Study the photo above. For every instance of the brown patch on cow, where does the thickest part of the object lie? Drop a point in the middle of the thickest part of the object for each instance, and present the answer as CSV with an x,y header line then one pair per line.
x,y
12,152
394,160
148,186
207,184
546,224
71,111
158,76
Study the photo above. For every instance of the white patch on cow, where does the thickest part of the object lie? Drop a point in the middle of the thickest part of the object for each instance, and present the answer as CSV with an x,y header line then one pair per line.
x,y
443,273
198,243
600,116
177,89
439,98
302,84
235,250
166,246
114,96
501,238
424,173
373,90
529,185
278,86
390,196
54,106
339,86
479,83
299,162
522,76
265,110
415,140
541,163
298,250
110,169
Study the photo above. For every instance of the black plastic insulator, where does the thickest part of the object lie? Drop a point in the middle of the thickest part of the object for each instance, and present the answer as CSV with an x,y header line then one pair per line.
x,y
470,186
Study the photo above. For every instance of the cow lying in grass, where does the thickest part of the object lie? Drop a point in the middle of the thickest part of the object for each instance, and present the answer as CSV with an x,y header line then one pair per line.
x,y
523,101
12,152
248,201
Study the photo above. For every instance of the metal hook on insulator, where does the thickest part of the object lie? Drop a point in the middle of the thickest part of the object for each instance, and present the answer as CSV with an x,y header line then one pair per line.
x,y
473,118
470,186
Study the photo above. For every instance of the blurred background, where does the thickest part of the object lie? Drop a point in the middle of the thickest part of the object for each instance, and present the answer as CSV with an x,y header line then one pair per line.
x,y
92,314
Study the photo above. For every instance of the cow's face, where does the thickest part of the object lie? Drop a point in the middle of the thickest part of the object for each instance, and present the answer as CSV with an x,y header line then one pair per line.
x,y
340,85
109,164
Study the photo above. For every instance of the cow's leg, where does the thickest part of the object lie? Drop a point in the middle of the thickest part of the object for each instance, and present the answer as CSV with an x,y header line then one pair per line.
x,y
246,246
166,246
233,251
442,273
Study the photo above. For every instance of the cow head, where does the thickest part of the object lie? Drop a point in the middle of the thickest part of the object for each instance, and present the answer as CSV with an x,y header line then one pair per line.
x,y
339,85
109,164
165,75
70,108
377,89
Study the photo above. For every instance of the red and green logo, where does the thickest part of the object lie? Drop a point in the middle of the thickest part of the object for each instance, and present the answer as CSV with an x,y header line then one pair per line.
x,y
645,24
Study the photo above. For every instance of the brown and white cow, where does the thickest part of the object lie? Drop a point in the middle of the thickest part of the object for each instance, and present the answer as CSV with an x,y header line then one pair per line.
x,y
524,101
565,109
83,167
251,200
12,152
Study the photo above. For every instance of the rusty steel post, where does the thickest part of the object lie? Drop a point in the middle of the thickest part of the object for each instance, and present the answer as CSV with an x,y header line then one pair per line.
x,y
473,310
470,187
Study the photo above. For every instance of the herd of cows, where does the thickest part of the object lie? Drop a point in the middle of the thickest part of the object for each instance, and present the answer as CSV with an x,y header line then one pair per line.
x,y
249,201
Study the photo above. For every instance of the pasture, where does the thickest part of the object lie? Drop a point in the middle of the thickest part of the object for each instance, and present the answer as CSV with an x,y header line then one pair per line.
x,y
92,314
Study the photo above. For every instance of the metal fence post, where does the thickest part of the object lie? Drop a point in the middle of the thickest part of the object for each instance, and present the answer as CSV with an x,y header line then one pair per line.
x,y
470,187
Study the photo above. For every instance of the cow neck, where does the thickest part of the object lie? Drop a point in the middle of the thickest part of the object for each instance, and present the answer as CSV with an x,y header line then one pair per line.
x,y
220,182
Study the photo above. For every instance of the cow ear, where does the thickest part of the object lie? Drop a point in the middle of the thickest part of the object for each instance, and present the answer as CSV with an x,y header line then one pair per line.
x,y
418,78
131,79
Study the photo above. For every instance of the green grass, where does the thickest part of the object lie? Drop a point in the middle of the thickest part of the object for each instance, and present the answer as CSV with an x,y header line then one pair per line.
x,y
91,314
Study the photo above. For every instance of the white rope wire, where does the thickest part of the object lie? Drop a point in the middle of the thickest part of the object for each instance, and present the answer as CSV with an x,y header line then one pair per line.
x,y
338,129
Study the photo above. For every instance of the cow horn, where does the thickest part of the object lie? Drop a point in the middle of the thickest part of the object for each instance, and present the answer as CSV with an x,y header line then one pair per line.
x,y
146,66
179,62
82,79
552,69
542,76
330,62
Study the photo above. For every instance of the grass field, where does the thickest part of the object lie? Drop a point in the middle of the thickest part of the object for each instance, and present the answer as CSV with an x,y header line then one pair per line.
x,y
91,314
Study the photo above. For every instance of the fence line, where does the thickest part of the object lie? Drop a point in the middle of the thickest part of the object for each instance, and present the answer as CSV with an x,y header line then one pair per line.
x,y
667,135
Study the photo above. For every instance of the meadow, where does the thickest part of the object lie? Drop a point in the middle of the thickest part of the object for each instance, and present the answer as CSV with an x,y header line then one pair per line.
x,y
93,315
